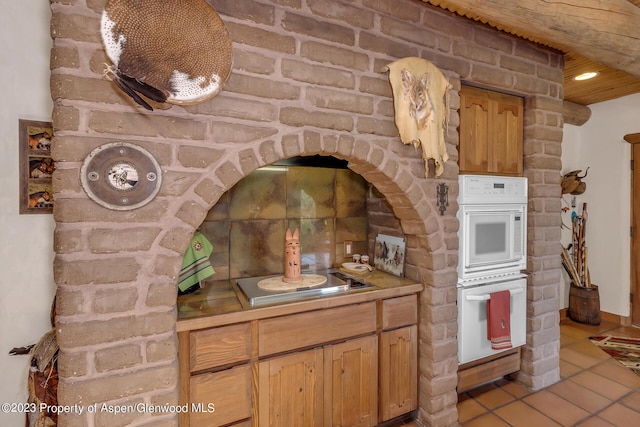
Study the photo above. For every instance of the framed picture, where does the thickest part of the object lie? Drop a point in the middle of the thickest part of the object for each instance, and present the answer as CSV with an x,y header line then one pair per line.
x,y
36,167
389,254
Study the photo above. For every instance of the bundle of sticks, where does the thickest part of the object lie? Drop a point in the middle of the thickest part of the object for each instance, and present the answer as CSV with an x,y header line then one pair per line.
x,y
577,266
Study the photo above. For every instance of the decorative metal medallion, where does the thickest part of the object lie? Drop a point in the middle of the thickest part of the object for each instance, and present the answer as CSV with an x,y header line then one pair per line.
x,y
121,176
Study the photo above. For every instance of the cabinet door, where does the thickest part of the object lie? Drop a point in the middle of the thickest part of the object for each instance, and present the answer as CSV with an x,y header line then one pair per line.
x,y
290,390
491,132
474,130
351,383
398,372
508,133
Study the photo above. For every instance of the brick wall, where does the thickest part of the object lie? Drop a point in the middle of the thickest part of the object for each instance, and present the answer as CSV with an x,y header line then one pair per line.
x,y
306,80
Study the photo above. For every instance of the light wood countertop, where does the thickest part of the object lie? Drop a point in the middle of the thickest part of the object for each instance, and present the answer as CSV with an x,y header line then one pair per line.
x,y
221,302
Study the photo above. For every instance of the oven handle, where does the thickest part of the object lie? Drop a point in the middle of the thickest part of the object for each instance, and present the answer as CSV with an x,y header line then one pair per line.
x,y
486,297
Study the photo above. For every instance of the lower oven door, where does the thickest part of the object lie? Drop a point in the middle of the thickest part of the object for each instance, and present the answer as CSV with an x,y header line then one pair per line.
x,y
473,343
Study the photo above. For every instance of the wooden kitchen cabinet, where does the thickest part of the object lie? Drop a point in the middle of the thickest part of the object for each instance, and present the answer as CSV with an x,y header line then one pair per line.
x,y
491,132
220,398
219,346
332,386
214,383
295,331
351,383
347,380
398,357
290,390
350,365
398,372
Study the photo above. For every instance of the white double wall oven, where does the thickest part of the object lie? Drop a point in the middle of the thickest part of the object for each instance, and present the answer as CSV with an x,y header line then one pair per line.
x,y
492,254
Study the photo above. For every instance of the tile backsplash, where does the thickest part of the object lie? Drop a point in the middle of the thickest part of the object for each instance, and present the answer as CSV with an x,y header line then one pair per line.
x,y
248,224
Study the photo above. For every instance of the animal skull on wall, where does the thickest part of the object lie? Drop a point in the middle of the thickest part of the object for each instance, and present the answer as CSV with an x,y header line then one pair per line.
x,y
420,98
572,182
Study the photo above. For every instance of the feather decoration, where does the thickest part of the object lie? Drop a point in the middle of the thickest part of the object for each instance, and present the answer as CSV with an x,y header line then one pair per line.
x,y
21,350
142,88
134,88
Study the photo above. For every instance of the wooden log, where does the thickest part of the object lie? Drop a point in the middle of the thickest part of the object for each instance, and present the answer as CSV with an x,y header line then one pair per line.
x,y
575,114
606,32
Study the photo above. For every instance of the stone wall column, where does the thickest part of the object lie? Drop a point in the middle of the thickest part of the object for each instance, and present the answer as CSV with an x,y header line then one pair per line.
x,y
542,164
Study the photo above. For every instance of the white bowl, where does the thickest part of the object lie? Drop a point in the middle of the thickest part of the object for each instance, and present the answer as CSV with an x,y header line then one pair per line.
x,y
354,266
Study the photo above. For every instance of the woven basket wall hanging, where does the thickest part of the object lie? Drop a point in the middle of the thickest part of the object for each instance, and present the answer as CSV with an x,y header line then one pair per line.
x,y
176,51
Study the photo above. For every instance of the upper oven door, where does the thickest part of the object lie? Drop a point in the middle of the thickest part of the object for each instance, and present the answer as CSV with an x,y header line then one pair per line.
x,y
492,240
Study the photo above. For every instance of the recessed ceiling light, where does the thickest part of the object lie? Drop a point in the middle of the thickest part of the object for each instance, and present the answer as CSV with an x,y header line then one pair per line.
x,y
586,76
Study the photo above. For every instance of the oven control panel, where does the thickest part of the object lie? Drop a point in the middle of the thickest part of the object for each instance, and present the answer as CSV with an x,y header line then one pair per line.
x,y
484,189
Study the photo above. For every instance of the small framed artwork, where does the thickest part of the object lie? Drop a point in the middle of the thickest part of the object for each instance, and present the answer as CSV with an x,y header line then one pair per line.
x,y
389,254
36,167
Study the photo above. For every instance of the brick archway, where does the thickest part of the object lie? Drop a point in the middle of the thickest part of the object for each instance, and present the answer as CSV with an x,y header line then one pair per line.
x,y
411,197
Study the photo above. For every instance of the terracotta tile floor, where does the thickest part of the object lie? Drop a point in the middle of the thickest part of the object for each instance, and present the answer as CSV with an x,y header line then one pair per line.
x,y
595,390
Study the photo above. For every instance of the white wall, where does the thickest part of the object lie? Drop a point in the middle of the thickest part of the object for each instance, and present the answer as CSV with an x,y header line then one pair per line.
x,y
26,249
599,144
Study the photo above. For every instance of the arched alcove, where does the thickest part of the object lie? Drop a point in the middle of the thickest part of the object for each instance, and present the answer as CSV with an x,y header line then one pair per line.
x,y
409,201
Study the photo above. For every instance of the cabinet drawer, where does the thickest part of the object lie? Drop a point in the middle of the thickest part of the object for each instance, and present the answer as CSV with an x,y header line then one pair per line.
x,y
401,311
219,346
315,327
230,393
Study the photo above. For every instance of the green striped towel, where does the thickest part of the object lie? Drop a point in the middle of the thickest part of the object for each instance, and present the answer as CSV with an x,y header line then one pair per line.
x,y
195,265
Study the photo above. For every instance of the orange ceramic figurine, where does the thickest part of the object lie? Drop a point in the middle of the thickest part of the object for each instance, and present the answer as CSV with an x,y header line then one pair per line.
x,y
292,257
